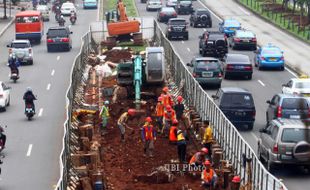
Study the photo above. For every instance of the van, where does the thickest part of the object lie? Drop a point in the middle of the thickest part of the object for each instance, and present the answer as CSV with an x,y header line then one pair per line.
x,y
237,104
155,65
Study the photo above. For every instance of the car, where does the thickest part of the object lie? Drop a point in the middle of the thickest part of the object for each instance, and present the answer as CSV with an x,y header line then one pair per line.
x,y
22,50
269,56
287,106
177,28
284,142
143,1
229,26
237,104
45,12
184,7
207,71
171,3
67,8
243,39
213,44
4,96
90,4
237,65
153,5
58,38
297,86
201,17
165,13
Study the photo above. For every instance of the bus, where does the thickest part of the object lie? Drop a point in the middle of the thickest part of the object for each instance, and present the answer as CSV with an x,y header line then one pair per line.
x,y
29,25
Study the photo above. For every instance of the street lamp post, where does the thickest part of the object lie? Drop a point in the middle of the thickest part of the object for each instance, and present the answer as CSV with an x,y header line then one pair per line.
x,y
4,6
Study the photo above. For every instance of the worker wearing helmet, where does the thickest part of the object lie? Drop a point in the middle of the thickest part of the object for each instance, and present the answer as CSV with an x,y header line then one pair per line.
x,y
199,157
208,176
104,113
167,100
148,137
179,108
207,136
122,122
169,116
181,146
173,132
159,112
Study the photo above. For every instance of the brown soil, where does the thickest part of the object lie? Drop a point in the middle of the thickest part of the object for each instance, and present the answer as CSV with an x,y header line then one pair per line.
x,y
116,55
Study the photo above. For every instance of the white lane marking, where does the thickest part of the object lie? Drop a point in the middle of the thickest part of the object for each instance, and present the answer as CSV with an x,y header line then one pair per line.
x,y
188,49
58,57
261,82
290,71
53,72
29,150
40,112
244,11
182,42
48,86
253,134
210,11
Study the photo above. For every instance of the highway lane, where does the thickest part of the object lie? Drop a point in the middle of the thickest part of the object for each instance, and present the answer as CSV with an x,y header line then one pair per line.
x,y
263,86
33,147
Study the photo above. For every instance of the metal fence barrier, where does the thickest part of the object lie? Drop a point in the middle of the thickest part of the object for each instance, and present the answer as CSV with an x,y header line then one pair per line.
x,y
234,146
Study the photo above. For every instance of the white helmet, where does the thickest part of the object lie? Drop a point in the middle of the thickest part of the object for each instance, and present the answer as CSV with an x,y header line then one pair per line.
x,y
62,16
29,89
106,102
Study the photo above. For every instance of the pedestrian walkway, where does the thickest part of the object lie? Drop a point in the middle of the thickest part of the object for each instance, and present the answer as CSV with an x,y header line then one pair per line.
x,y
296,52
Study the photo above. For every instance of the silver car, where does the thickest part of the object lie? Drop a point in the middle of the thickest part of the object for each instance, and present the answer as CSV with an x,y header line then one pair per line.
x,y
45,12
285,142
22,50
153,5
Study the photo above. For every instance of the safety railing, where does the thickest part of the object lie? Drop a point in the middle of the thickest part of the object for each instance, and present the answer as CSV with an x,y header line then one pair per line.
x,y
235,148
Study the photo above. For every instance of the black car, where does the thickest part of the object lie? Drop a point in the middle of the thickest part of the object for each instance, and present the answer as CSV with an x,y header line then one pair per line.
x,y
184,7
177,28
237,104
143,1
213,44
237,65
165,13
201,17
58,38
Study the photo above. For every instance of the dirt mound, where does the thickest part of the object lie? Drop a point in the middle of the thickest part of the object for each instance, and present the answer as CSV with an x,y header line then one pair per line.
x,y
116,55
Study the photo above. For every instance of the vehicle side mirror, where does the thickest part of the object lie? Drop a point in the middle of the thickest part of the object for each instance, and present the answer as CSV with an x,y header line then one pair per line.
x,y
264,130
8,46
189,64
215,97
71,32
268,102
284,85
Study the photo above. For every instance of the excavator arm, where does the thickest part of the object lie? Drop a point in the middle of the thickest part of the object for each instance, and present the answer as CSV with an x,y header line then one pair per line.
x,y
122,11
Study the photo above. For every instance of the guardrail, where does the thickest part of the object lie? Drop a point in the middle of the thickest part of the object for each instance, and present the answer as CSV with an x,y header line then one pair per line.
x,y
232,143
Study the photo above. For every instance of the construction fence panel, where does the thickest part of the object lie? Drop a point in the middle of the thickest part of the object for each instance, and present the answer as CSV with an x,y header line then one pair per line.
x,y
235,148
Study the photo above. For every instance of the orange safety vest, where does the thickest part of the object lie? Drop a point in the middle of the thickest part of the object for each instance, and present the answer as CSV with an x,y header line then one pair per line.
x,y
148,132
159,109
169,115
195,157
207,176
167,100
172,136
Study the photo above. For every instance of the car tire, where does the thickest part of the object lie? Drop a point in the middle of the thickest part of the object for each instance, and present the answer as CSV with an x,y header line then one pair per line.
x,y
250,126
270,166
200,51
267,119
249,77
282,68
191,24
185,37
48,49
68,48
260,67
8,104
4,109
219,85
30,62
226,76
194,25
259,154
210,25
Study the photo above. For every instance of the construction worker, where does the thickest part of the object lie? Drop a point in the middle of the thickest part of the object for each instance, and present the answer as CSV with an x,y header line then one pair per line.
x,y
167,100
104,113
179,108
169,116
208,176
173,132
207,137
121,122
199,157
159,111
148,137
181,146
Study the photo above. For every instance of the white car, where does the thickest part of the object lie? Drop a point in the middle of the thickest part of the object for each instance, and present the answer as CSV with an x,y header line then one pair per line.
x,y
297,86
153,5
66,8
4,96
45,12
22,50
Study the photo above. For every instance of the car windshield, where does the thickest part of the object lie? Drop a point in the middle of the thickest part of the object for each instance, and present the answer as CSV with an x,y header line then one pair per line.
x,y
207,65
271,51
245,34
237,59
237,100
67,6
177,22
156,60
27,19
295,135
55,33
302,84
294,103
231,23
168,10
20,45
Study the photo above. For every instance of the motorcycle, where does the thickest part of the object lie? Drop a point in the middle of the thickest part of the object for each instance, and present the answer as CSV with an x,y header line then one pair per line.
x,y
72,20
61,23
29,111
14,75
57,17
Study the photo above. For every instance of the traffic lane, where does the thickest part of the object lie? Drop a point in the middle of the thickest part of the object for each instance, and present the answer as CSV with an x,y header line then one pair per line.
x,y
48,141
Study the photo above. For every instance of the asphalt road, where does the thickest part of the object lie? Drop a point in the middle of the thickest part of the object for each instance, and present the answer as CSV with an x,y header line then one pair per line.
x,y
33,147
263,86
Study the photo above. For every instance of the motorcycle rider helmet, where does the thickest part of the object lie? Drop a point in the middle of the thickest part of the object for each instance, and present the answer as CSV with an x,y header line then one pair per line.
x,y
106,102
62,16
29,89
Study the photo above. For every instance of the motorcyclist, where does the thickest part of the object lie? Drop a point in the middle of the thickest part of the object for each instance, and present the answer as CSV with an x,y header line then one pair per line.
x,y
61,21
14,64
2,136
73,17
29,98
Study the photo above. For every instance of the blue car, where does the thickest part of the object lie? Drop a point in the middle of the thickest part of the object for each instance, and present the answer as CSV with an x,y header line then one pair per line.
x,y
90,4
229,26
269,56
